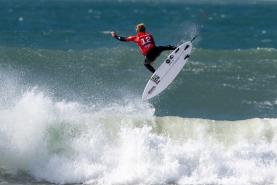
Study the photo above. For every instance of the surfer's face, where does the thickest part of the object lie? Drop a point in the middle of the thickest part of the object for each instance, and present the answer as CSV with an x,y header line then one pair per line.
x,y
137,29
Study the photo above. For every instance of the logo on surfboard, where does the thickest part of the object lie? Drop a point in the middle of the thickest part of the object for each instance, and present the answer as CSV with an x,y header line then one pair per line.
x,y
169,60
152,89
155,78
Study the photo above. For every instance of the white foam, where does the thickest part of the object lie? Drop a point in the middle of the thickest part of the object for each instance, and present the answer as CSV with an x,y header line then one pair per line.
x,y
65,142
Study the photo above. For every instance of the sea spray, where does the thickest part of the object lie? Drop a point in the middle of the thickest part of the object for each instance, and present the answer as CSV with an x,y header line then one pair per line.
x,y
67,142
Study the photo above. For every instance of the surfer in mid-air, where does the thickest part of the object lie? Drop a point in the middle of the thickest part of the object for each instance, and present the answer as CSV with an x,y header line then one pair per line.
x,y
146,44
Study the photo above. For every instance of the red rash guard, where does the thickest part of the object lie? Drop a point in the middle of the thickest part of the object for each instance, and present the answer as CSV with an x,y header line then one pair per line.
x,y
145,42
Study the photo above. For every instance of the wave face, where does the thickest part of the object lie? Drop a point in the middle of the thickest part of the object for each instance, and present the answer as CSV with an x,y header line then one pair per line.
x,y
67,142
215,84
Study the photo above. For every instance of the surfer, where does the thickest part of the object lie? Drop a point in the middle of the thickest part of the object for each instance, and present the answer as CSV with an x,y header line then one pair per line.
x,y
146,44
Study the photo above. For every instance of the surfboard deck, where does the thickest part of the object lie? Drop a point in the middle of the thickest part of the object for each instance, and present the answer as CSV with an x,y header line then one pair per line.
x,y
167,71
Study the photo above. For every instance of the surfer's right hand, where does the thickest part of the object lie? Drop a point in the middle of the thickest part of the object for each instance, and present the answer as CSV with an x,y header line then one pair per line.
x,y
113,34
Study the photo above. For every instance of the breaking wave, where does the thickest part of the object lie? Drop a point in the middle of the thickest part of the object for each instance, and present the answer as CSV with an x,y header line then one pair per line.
x,y
67,142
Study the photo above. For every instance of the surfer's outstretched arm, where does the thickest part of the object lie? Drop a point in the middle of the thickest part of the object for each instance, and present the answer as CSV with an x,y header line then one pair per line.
x,y
126,39
114,35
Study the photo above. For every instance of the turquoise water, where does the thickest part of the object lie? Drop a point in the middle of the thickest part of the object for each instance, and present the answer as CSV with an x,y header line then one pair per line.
x,y
70,94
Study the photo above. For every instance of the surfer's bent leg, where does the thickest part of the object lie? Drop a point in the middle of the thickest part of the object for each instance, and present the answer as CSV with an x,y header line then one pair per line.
x,y
165,48
153,54
147,64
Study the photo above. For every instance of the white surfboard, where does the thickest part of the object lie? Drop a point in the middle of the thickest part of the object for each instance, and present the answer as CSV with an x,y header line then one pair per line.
x,y
167,71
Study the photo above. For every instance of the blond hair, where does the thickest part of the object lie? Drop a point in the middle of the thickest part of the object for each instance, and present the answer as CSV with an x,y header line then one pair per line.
x,y
140,27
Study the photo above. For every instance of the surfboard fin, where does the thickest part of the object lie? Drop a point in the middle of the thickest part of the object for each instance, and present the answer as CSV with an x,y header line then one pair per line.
x,y
193,38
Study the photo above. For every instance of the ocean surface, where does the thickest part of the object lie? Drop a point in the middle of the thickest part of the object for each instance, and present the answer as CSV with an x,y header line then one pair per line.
x,y
70,94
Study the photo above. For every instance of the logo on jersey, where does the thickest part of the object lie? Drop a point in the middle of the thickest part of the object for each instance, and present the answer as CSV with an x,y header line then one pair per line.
x,y
146,41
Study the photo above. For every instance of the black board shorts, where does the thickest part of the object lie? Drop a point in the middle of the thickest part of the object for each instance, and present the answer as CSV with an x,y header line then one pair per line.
x,y
155,52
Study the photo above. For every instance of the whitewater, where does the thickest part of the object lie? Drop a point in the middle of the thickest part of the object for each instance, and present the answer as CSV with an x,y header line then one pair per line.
x,y
67,142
